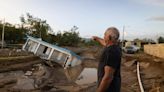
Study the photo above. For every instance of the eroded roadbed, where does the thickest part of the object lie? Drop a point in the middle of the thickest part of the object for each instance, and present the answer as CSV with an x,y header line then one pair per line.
x,y
28,73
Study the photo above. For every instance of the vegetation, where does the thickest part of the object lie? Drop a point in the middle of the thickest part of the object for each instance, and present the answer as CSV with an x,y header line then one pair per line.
x,y
36,27
68,38
13,35
89,42
160,40
39,28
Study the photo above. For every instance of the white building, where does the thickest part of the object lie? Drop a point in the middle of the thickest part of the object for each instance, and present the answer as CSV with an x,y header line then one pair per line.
x,y
51,52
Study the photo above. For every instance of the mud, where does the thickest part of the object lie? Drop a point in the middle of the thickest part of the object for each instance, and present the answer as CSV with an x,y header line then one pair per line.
x,y
23,72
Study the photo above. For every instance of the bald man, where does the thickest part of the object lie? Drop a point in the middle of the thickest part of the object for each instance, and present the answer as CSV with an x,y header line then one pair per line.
x,y
109,79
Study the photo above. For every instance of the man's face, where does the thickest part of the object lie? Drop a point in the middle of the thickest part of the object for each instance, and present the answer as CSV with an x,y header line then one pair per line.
x,y
106,36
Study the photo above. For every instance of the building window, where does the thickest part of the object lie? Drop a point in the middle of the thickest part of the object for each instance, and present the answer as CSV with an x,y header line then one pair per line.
x,y
45,49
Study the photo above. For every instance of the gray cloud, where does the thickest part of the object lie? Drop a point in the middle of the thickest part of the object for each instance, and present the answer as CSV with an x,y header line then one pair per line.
x,y
159,3
156,18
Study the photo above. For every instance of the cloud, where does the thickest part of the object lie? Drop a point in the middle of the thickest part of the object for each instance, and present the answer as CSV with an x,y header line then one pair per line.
x,y
156,18
159,3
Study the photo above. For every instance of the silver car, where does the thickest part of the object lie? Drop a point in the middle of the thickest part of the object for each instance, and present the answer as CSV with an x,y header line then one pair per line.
x,y
131,49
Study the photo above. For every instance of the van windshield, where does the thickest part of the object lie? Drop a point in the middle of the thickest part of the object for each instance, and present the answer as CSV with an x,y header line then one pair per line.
x,y
129,47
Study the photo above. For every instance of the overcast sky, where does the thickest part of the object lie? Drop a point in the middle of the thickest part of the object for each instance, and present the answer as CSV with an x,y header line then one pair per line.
x,y
141,18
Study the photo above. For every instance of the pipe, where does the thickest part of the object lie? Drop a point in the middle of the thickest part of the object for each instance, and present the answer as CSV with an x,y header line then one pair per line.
x,y
139,78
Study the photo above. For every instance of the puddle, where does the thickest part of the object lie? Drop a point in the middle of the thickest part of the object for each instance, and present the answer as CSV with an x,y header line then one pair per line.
x,y
81,75
87,76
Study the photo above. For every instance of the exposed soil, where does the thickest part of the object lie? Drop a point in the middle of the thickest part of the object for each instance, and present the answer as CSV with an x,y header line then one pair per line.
x,y
23,72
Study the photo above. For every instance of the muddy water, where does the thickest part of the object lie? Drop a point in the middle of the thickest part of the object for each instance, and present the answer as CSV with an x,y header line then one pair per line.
x,y
87,76
81,75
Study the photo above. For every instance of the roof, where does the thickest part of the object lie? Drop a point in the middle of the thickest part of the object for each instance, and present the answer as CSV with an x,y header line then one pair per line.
x,y
53,46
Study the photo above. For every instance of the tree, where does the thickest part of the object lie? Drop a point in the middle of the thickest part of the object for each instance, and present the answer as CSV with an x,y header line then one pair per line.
x,y
36,26
146,41
13,35
160,39
90,43
68,38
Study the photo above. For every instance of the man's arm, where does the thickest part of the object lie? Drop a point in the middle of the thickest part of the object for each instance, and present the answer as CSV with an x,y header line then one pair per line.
x,y
100,40
107,79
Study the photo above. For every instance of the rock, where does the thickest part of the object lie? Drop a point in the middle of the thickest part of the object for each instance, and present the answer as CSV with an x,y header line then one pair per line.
x,y
24,83
41,70
28,73
33,69
130,63
36,86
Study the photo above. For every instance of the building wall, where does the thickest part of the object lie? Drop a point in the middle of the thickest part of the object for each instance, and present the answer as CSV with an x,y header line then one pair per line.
x,y
129,43
136,43
155,50
40,50
50,52
58,57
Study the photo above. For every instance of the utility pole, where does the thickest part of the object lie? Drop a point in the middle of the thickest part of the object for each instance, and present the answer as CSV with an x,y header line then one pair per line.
x,y
123,36
3,34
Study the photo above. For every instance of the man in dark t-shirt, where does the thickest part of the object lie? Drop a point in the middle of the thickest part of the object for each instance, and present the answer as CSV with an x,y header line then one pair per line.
x,y
109,79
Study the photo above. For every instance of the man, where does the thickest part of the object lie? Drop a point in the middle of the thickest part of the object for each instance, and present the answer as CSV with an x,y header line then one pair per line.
x,y
109,79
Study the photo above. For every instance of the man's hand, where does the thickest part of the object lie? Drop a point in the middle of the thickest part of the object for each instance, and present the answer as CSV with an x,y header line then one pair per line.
x,y
94,38
100,40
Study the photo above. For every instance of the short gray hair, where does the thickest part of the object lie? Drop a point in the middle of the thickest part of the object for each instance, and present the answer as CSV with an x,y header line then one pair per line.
x,y
114,33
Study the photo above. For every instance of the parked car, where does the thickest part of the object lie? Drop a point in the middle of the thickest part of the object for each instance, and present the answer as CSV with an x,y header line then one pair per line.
x,y
131,49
